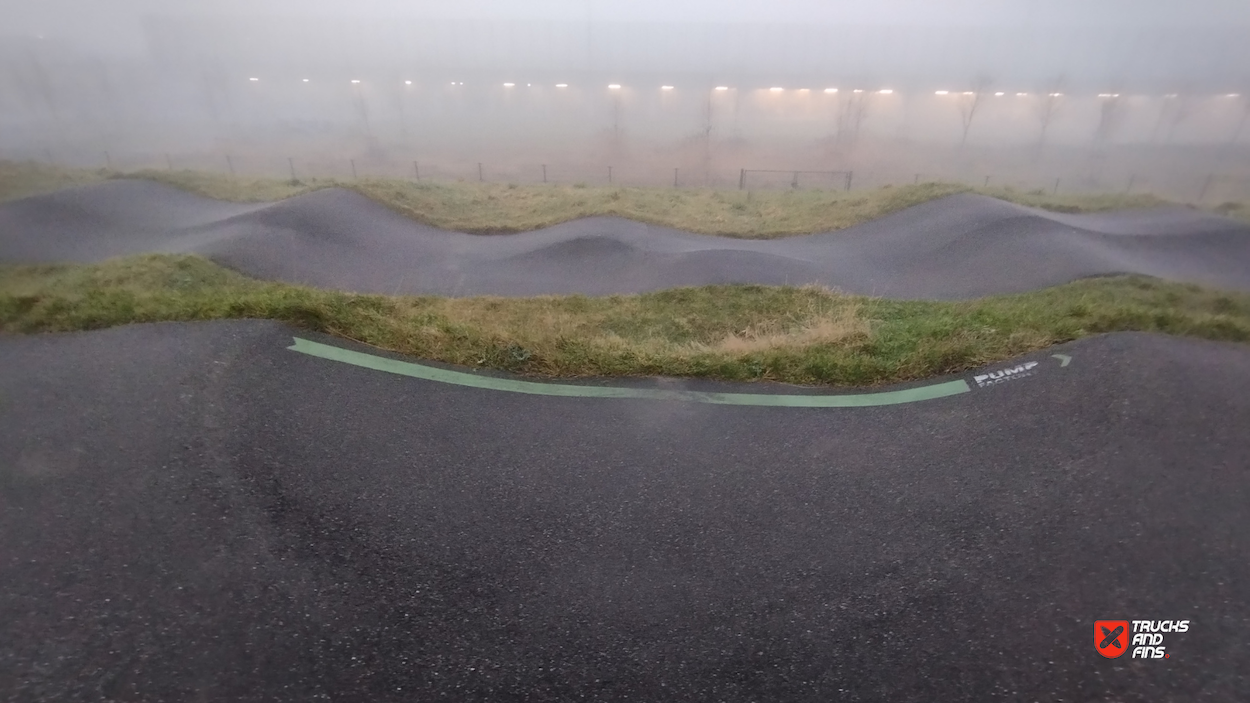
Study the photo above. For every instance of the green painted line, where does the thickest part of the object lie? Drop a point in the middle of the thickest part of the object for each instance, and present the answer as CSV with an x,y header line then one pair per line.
x,y
460,378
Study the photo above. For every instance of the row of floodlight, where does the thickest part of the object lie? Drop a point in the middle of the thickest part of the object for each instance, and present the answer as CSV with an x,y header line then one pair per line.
x,y
778,89
617,86
1000,93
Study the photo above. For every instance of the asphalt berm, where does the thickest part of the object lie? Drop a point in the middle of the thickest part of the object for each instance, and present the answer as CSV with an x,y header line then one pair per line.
x,y
960,246
195,511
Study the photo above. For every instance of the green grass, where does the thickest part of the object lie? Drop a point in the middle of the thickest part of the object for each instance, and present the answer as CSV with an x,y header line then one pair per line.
x,y
1235,210
797,335
808,335
22,179
491,208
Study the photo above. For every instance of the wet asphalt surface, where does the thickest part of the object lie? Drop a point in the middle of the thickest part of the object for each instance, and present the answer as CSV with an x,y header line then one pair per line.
x,y
194,512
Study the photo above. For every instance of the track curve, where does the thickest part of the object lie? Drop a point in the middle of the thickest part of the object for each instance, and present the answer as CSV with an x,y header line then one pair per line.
x,y
194,511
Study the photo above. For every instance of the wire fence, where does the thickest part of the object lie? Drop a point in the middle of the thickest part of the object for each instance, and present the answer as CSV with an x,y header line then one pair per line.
x,y
1195,187
762,177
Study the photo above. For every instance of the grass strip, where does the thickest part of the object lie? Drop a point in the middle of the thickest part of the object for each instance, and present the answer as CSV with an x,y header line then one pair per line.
x,y
498,208
806,335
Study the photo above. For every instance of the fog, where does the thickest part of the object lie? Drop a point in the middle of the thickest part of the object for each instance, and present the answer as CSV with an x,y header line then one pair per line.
x,y
1124,95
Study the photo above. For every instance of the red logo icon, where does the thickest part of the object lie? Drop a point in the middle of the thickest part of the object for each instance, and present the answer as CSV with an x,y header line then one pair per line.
x,y
1111,637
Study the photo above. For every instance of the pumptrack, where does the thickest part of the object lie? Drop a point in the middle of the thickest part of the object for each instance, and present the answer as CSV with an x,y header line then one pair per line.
x,y
961,246
240,510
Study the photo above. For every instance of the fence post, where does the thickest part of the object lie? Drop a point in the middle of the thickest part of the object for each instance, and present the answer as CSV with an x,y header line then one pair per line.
x,y
291,162
1130,183
479,172
108,161
1056,190
1205,184
915,180
544,173
742,178
168,162
229,164
674,178
416,170
354,176
794,182
849,176
987,182
609,175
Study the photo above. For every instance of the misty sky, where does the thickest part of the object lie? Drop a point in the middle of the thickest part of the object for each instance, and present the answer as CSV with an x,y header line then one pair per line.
x,y
117,23
270,78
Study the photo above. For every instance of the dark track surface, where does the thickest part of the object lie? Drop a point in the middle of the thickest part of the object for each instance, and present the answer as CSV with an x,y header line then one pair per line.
x,y
958,247
192,512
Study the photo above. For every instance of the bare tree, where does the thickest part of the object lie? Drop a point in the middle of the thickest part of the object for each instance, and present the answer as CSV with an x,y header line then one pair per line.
x,y
1173,111
362,109
1047,107
215,89
616,115
617,147
1245,116
35,84
401,96
1184,106
853,109
1163,112
969,101
707,141
736,132
1110,118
